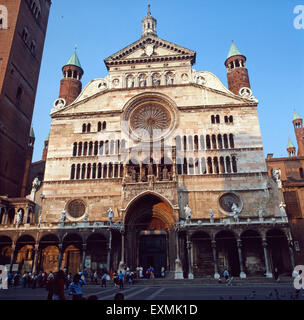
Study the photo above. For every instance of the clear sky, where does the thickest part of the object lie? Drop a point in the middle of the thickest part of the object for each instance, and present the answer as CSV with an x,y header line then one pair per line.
x,y
262,30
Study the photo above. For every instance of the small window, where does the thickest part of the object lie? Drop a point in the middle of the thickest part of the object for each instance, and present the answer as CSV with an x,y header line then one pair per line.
x,y
24,35
33,47
301,173
104,125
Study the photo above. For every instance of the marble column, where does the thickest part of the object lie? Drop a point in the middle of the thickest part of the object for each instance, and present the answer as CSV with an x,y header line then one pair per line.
x,y
189,251
109,250
216,269
178,265
12,255
59,256
242,271
36,254
122,261
84,253
266,256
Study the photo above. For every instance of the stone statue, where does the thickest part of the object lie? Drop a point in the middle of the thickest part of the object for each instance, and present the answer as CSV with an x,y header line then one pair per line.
x,y
110,214
40,220
283,210
63,217
235,209
211,214
19,217
276,175
86,217
36,183
200,80
165,173
130,82
187,212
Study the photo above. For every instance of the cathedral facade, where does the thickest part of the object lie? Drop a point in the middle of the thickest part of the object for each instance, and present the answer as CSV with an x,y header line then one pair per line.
x,y
154,165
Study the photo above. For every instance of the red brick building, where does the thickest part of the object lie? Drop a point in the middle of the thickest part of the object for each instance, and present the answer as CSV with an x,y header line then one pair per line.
x,y
23,25
292,177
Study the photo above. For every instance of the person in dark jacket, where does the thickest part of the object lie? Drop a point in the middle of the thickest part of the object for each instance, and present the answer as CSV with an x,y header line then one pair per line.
x,y
58,286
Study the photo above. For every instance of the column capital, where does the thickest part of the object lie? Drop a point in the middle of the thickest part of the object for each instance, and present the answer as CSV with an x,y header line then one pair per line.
x,y
264,243
60,245
213,244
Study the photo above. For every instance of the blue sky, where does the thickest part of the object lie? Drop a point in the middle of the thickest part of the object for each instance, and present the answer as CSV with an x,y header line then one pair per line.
x,y
262,30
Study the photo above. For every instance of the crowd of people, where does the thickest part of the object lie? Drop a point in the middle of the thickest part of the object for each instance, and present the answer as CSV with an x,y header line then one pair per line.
x,y
59,282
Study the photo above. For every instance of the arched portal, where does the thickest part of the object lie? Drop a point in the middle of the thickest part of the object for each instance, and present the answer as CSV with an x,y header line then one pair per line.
x,y
279,251
5,250
72,246
148,232
48,259
227,252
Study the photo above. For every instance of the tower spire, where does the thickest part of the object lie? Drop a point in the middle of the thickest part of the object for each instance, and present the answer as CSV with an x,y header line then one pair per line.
x,y
149,24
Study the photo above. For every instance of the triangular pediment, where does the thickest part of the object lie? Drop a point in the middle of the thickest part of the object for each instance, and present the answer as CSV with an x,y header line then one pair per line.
x,y
151,49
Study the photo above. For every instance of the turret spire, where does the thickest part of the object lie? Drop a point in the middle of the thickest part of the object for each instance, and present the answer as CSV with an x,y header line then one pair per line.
x,y
149,24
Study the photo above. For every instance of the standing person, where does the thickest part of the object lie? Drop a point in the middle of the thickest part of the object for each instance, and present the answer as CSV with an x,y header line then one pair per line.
x,y
34,281
104,280
76,288
58,286
163,272
276,275
152,272
115,279
50,288
121,279
141,272
96,277
226,274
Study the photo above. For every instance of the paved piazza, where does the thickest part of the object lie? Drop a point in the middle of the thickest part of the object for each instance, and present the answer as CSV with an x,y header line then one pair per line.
x,y
171,292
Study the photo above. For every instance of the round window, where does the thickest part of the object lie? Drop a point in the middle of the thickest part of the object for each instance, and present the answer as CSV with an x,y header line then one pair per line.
x,y
230,203
76,209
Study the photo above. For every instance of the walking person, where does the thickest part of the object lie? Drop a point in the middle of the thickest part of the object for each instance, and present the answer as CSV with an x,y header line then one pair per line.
x,y
75,289
121,279
226,275
58,286
104,280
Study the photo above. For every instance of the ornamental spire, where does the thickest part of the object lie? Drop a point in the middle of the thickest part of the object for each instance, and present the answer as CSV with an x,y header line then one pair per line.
x,y
149,24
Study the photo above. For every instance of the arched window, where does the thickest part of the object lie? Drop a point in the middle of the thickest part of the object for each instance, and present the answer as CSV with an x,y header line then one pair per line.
x,y
226,119
226,146
85,149
214,142
185,143
222,165
83,171
208,143
231,140
202,140
190,142
24,34
216,165
73,172
228,164
203,164
33,47
210,167
185,166
196,143
89,171
19,96
84,128
107,148
89,127
234,164
101,148
75,149
105,170
99,171
95,148
191,166
78,172
179,166
80,149
90,148
231,119
94,171
212,119
99,126
220,141
196,166
218,119
104,125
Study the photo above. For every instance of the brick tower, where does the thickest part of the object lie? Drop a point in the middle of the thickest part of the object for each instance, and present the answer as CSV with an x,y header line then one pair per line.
x,y
299,131
291,149
237,73
22,36
70,85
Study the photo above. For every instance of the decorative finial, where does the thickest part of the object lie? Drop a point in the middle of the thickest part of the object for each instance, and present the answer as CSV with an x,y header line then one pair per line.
x,y
149,9
76,47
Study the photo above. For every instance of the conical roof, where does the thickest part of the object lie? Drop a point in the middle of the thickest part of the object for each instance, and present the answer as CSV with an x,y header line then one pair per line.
x,y
234,51
290,144
74,61
296,116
